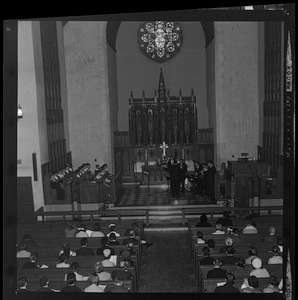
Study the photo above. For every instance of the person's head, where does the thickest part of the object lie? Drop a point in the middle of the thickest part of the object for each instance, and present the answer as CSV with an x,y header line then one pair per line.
x,y
230,250
200,234
63,257
123,264
81,227
66,248
119,281
104,167
22,282
74,266
134,225
130,245
276,250
112,236
253,281
97,166
210,163
206,251
248,222
257,263
107,253
273,281
211,243
98,267
44,281
33,257
280,241
252,251
218,226
217,263
112,227
27,237
71,278
230,278
175,162
84,242
229,241
96,227
272,230
93,279
23,246
87,165
70,227
125,254
203,218
132,234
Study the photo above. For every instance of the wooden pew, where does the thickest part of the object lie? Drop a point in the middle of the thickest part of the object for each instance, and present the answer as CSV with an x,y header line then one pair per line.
x,y
55,274
208,285
58,285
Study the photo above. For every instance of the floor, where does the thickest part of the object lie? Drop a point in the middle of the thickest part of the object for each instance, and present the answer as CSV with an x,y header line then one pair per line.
x,y
158,195
166,266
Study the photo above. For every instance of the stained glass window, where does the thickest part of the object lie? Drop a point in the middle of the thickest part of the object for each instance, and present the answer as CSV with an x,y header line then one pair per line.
x,y
160,40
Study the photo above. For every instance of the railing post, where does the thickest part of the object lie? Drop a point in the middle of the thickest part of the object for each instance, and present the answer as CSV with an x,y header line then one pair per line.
x,y
183,216
147,217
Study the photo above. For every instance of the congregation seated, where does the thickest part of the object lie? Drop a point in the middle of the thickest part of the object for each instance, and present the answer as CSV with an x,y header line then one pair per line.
x,y
106,262
70,231
217,272
211,245
23,250
44,283
105,245
206,260
229,243
258,271
112,241
81,231
22,285
71,283
228,286
225,220
112,228
62,261
97,231
252,253
271,238
84,250
250,285
75,268
200,239
94,286
272,285
131,239
117,287
66,250
123,272
101,273
230,259
138,234
218,229
203,221
249,228
276,258
126,256
32,261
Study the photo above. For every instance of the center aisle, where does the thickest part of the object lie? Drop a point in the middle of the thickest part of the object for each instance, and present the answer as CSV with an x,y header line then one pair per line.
x,y
166,266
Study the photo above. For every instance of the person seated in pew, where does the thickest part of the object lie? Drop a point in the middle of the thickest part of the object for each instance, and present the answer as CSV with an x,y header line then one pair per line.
x,y
230,259
131,248
211,245
112,241
66,250
62,261
105,245
249,228
32,244
97,231
203,221
101,273
32,262
276,258
218,229
112,228
94,286
229,243
71,283
258,270
75,268
84,250
138,234
217,272
131,239
272,287
23,250
280,243
22,285
233,232
271,238
106,262
206,260
250,285
124,273
125,255
228,286
252,253
81,231
199,239
70,231
117,287
225,220
44,283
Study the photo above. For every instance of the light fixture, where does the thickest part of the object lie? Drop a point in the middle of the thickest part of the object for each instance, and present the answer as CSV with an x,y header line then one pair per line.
x,y
20,112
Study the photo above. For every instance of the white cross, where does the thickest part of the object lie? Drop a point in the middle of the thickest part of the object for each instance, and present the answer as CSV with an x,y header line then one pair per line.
x,y
164,147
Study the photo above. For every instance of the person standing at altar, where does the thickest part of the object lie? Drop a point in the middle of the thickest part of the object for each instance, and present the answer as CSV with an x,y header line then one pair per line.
x,y
175,179
209,180
198,177
183,171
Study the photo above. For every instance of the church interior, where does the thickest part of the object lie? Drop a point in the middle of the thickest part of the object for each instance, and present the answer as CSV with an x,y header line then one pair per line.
x,y
103,107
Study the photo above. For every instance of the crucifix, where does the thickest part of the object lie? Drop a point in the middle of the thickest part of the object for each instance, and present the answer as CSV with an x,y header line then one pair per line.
x,y
164,147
